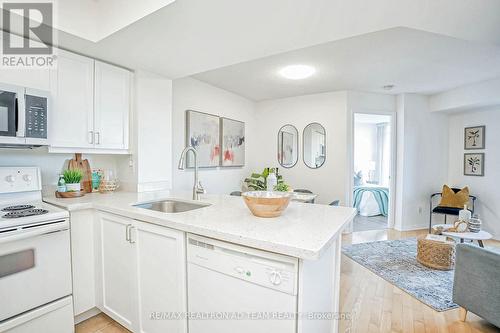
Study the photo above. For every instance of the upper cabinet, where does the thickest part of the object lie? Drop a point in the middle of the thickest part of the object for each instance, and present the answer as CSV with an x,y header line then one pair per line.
x,y
92,106
72,119
111,106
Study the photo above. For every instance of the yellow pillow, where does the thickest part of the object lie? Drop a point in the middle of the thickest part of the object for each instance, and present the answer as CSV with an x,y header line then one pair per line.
x,y
452,199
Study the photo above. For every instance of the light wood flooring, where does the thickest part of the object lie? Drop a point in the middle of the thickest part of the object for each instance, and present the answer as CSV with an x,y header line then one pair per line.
x,y
373,304
100,324
365,223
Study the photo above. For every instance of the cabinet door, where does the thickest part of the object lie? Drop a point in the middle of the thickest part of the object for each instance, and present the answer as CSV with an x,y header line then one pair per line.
x,y
82,260
117,270
161,276
112,106
72,84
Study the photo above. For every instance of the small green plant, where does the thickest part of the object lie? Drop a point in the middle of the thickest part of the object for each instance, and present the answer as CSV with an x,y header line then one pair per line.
x,y
72,176
258,181
282,187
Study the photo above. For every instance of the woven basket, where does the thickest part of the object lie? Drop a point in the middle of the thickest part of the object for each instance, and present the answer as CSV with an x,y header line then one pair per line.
x,y
108,186
436,255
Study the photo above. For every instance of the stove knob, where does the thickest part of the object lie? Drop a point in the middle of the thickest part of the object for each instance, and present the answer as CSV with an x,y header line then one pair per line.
x,y
275,278
27,178
10,179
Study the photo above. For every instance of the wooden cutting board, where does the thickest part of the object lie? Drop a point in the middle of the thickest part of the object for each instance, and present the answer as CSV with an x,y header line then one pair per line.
x,y
84,166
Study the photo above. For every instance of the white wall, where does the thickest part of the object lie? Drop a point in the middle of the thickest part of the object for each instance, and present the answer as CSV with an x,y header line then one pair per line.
x,y
328,109
52,165
191,94
485,188
422,144
152,132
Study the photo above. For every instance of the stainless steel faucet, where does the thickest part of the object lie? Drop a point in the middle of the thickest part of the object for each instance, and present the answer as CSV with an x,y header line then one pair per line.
x,y
197,187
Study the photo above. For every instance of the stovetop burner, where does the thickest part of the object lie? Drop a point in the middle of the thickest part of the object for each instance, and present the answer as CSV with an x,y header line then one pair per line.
x,y
24,213
17,207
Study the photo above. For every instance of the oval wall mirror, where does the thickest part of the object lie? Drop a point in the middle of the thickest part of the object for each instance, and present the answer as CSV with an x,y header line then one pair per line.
x,y
314,145
288,146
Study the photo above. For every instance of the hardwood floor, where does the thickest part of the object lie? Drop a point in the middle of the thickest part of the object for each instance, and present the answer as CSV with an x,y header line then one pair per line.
x,y
365,223
375,305
100,324
371,303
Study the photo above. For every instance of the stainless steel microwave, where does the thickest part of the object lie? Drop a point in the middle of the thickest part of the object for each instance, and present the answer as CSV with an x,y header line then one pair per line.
x,y
24,114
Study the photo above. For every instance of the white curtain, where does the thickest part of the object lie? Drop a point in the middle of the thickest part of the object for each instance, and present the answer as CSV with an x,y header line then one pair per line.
x,y
383,166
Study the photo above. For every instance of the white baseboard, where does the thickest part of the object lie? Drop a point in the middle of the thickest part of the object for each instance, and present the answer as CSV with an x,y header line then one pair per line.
x,y
86,315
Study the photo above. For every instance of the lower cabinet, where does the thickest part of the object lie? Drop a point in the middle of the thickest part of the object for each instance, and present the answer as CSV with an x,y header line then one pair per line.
x,y
141,274
83,260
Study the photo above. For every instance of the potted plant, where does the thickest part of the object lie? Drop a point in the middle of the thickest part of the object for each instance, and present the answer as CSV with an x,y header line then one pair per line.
x,y
72,179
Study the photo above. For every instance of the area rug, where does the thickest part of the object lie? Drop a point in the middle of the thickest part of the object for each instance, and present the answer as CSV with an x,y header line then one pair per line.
x,y
396,262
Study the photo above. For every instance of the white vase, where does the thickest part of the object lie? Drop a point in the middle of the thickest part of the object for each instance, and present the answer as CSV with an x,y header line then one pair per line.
x,y
73,187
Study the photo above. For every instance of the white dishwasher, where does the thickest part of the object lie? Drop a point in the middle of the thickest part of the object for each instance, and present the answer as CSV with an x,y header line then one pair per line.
x,y
236,289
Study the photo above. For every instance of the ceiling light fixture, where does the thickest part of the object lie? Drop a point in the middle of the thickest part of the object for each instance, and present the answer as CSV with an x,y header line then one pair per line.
x,y
297,72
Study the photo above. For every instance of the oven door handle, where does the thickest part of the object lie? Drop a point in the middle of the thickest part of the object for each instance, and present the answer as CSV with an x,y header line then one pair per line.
x,y
20,234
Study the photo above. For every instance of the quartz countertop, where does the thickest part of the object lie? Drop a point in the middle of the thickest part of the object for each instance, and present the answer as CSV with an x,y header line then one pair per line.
x,y
303,230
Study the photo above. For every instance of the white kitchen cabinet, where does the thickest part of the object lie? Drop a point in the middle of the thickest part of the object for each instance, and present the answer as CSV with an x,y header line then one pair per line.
x,y
72,119
83,260
91,107
161,276
117,270
142,271
111,106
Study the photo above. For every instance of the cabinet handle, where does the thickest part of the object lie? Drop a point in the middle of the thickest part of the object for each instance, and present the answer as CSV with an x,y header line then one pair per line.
x,y
98,138
127,232
131,240
91,137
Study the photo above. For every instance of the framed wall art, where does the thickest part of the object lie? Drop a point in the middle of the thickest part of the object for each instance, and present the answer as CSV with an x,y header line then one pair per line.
x,y
233,142
474,137
203,133
474,164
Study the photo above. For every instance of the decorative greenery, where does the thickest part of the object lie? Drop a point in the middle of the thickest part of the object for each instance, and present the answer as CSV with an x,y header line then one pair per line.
x,y
258,181
72,176
282,187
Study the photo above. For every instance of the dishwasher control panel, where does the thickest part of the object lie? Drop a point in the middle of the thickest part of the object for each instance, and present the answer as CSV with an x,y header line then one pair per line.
x,y
267,269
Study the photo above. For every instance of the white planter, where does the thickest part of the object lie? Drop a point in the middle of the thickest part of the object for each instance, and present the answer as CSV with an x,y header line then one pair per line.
x,y
73,187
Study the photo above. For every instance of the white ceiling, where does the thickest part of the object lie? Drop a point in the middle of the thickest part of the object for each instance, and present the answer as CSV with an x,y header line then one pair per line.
x,y
96,19
192,36
414,61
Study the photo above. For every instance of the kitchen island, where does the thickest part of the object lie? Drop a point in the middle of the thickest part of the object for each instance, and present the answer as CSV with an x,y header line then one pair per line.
x,y
308,236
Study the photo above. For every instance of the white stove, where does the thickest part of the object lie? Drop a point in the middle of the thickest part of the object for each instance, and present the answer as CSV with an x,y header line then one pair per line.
x,y
35,257
28,212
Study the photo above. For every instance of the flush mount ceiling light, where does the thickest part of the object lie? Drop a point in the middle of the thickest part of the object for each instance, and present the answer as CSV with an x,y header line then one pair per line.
x,y
297,72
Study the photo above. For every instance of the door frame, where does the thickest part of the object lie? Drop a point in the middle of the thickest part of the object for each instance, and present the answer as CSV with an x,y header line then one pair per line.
x,y
393,164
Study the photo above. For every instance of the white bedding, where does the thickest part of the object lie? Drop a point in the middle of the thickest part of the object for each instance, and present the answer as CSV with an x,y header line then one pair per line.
x,y
368,205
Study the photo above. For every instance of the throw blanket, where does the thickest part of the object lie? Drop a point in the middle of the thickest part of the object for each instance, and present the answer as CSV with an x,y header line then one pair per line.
x,y
381,195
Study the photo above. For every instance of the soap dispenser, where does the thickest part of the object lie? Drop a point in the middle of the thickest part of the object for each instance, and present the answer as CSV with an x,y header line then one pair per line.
x,y
272,181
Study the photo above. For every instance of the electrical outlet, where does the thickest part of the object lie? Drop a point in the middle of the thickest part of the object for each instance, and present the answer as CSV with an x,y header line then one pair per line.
x,y
420,210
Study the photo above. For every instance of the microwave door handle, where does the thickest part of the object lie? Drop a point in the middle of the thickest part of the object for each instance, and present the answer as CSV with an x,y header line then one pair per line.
x,y
16,114
21,115
24,234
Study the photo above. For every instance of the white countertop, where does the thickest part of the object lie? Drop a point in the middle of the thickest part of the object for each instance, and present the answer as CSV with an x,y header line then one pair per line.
x,y
303,231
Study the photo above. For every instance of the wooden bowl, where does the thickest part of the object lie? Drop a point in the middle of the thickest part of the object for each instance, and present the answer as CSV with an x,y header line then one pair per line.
x,y
267,203
72,194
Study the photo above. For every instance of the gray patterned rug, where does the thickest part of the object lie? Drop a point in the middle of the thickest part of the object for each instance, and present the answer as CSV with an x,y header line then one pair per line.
x,y
395,261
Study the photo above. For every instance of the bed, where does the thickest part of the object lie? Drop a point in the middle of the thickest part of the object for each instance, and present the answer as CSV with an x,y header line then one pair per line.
x,y
371,200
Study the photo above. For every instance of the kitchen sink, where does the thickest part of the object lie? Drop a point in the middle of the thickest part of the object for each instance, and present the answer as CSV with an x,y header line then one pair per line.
x,y
171,206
